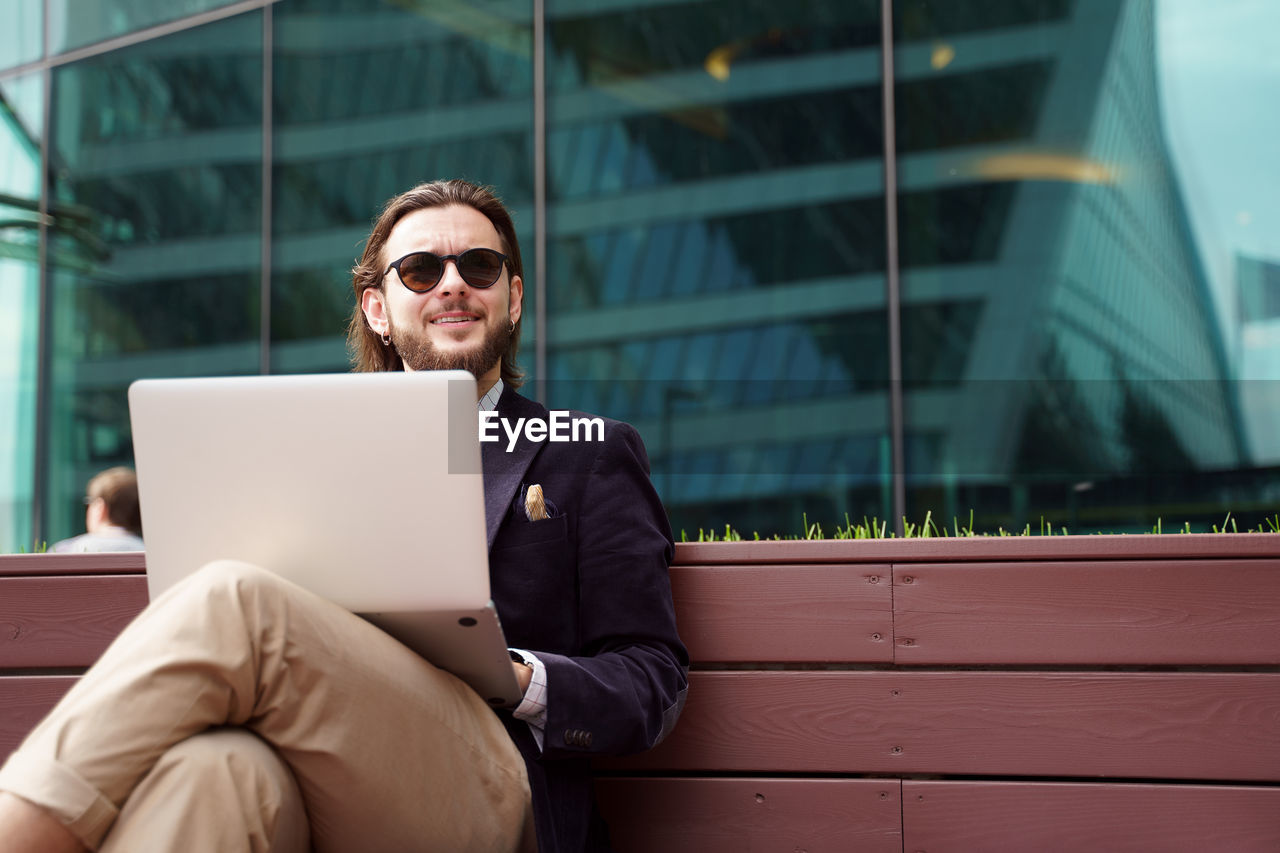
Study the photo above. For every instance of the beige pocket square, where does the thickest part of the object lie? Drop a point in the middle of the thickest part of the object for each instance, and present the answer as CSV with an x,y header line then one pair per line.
x,y
535,506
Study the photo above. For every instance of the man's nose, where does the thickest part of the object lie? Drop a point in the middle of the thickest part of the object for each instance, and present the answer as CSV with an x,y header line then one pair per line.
x,y
451,280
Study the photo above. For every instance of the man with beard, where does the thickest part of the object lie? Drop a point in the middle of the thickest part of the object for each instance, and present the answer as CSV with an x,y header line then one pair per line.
x,y
240,712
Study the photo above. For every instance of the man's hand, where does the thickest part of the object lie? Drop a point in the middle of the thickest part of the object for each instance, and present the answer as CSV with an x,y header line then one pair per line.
x,y
524,674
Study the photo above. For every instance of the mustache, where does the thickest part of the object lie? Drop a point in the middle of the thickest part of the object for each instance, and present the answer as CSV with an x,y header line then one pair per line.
x,y
457,305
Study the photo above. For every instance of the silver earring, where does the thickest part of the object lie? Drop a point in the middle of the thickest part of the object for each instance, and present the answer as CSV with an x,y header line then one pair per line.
x,y
386,339
513,327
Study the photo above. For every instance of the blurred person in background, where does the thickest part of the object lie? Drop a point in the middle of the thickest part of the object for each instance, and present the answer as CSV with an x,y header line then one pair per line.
x,y
112,516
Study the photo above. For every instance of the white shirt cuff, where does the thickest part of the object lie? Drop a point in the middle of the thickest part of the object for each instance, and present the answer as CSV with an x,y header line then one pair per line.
x,y
533,708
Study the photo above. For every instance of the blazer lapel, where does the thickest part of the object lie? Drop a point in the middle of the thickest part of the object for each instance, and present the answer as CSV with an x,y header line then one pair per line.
x,y
503,471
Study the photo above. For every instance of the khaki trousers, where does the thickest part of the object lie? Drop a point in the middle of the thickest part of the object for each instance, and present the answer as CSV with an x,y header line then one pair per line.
x,y
240,712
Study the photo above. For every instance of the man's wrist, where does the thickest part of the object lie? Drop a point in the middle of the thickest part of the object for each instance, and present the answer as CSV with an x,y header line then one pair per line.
x,y
523,669
533,707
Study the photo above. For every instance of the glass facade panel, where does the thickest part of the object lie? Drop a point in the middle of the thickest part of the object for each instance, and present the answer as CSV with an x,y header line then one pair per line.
x,y
76,23
22,36
370,99
716,249
1087,236
1048,259
20,134
154,236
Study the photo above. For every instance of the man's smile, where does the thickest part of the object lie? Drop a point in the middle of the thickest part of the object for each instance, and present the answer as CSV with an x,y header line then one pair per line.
x,y
454,318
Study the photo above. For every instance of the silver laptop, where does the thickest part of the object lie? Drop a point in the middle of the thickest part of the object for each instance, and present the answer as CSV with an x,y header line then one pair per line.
x,y
363,488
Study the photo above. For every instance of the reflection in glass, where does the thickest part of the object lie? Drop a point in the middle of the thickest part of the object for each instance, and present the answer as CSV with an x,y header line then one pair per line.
x,y
1218,78
716,246
370,99
1086,213
1045,239
154,247
19,304
75,23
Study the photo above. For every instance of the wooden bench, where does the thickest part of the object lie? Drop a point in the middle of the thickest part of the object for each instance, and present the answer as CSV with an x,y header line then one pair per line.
x,y
1069,693
1064,693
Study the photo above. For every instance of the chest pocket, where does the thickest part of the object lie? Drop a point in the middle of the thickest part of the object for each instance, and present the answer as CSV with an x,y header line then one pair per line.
x,y
519,533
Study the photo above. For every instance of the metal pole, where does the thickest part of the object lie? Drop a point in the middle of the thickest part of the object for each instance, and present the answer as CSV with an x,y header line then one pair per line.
x,y
264,273
893,294
539,201
40,468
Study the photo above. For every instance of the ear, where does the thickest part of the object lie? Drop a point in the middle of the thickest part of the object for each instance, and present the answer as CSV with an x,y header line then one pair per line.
x,y
515,299
374,305
95,515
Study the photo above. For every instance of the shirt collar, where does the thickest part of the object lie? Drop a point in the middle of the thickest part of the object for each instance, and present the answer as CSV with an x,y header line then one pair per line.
x,y
489,401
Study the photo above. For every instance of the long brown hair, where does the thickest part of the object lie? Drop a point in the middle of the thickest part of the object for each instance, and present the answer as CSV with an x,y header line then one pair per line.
x,y
367,352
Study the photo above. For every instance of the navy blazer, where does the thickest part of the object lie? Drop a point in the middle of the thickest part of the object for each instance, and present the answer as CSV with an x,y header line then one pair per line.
x,y
587,590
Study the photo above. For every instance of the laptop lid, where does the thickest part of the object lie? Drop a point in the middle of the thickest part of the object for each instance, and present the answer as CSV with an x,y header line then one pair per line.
x,y
364,488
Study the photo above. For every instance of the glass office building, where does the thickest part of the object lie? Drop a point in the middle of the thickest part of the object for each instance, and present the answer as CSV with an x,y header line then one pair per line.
x,y
832,257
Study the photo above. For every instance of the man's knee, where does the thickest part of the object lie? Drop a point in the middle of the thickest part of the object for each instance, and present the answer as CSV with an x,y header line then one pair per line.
x,y
234,573
236,581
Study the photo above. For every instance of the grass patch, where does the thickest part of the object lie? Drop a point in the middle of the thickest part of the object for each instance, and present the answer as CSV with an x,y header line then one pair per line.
x,y
874,528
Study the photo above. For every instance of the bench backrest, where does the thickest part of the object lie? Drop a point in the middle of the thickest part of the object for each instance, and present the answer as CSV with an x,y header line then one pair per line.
x,y
1091,693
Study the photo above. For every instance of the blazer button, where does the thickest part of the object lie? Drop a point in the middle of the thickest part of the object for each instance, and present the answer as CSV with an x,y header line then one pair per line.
x,y
586,738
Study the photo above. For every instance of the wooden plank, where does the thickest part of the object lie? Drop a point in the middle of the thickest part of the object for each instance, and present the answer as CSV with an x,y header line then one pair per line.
x,y
132,562
1185,725
64,621
785,613
1120,612
983,548
1001,816
24,700
744,815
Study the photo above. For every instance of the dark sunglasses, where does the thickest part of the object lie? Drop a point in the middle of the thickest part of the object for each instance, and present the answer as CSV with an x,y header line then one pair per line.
x,y
421,271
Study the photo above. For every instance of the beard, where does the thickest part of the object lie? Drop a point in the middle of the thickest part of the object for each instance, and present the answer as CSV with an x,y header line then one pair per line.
x,y
418,353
